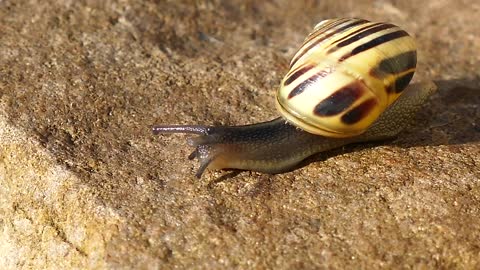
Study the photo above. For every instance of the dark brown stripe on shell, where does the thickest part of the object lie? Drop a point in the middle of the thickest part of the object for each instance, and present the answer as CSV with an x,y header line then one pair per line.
x,y
396,64
324,28
361,35
301,87
375,42
401,83
312,79
358,113
297,74
319,40
356,32
339,101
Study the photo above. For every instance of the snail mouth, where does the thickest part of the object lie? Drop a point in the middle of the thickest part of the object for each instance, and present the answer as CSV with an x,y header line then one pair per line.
x,y
300,122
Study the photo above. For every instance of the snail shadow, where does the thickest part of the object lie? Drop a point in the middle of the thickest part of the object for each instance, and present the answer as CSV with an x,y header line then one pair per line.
x,y
450,117
261,186
229,174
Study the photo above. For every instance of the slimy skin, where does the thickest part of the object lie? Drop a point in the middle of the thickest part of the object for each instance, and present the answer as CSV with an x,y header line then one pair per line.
x,y
277,146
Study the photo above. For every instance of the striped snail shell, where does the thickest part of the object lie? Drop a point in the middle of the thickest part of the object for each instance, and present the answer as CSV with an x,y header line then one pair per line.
x,y
347,83
346,73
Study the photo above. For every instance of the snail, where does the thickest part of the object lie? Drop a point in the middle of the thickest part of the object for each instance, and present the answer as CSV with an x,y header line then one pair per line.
x,y
348,83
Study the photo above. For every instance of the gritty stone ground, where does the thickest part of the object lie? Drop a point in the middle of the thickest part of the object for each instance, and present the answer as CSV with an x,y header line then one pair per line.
x,y
84,183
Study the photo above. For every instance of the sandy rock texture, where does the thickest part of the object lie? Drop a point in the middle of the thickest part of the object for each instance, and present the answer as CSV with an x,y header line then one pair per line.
x,y
84,183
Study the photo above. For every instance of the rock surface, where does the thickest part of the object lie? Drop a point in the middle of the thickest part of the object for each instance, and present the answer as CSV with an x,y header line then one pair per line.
x,y
84,183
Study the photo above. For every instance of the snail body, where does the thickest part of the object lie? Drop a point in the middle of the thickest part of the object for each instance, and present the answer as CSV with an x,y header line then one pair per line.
x,y
347,83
